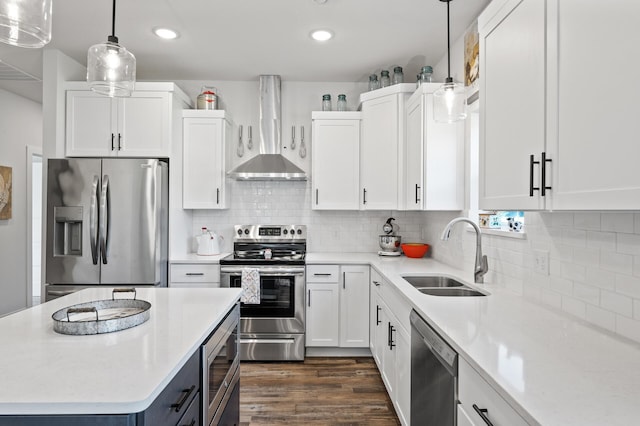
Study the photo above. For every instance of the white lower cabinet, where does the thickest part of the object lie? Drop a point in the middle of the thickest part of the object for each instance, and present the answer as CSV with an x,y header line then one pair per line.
x,y
391,347
194,275
322,319
336,313
476,398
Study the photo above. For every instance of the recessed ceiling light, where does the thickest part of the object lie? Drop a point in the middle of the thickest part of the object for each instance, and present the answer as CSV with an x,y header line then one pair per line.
x,y
165,33
321,35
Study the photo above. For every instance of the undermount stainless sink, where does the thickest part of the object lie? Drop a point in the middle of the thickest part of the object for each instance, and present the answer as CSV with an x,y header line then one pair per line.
x,y
441,286
435,281
451,291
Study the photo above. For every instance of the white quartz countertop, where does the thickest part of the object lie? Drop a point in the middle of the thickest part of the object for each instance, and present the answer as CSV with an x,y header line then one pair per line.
x,y
552,368
44,372
189,258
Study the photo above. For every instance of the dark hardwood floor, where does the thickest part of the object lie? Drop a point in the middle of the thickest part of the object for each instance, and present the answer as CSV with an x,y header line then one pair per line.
x,y
318,391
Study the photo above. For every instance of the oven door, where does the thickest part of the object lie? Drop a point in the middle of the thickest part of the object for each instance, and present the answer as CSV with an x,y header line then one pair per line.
x,y
281,307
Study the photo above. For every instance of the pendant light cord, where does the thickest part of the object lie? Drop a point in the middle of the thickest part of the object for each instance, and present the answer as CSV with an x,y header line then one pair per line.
x,y
113,19
448,40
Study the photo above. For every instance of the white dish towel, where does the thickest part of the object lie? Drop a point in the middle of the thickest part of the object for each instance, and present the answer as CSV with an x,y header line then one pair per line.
x,y
250,282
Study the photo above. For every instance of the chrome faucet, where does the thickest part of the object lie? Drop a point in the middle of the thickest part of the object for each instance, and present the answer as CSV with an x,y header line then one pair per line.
x,y
481,267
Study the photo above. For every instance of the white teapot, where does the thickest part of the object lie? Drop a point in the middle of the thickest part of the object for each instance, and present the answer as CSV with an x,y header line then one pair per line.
x,y
209,243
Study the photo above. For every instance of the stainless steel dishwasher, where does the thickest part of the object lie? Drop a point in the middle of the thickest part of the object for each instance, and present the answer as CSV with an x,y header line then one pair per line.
x,y
434,376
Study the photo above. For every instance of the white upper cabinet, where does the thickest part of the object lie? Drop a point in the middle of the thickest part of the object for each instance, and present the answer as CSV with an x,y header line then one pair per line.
x,y
512,103
137,126
335,160
205,139
383,131
433,172
539,99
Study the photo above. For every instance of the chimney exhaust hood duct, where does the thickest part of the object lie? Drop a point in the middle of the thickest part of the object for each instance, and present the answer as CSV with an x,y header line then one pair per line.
x,y
269,164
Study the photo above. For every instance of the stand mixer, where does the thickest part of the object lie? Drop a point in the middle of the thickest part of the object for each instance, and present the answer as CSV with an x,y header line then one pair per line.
x,y
389,242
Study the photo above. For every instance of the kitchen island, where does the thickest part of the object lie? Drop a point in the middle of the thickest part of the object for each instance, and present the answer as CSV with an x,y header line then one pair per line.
x,y
551,368
45,373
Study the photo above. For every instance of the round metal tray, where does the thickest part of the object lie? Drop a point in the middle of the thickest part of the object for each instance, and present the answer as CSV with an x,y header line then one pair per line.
x,y
102,316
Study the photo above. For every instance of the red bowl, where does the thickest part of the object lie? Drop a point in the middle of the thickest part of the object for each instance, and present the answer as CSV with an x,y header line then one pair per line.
x,y
415,250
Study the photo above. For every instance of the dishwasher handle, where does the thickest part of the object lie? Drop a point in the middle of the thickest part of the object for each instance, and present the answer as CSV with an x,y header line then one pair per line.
x,y
442,351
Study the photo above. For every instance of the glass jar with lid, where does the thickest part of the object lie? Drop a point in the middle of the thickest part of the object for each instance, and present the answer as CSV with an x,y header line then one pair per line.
x,y
425,74
385,81
373,82
342,103
398,76
326,102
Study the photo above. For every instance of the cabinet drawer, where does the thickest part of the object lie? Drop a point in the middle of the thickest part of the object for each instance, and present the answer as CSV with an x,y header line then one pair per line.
x,y
323,273
195,273
473,389
175,399
191,417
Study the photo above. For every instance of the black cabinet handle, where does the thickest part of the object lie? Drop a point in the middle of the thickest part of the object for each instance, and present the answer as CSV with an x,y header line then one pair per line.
x,y
364,196
376,283
309,298
185,395
482,413
392,343
321,275
378,309
119,141
194,274
217,195
532,188
316,196
417,197
112,138
344,280
543,172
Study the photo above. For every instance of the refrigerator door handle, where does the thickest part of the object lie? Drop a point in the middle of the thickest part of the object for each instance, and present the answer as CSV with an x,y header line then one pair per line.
x,y
105,216
93,219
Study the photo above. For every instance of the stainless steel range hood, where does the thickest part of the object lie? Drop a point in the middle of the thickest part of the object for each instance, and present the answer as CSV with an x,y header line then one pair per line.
x,y
270,164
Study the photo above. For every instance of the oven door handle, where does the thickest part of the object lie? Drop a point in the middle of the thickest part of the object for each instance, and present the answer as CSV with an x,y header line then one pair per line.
x,y
271,272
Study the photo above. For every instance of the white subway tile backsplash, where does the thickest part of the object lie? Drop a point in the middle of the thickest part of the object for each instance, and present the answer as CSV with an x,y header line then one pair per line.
x,y
636,309
618,222
574,237
586,256
628,285
561,285
587,220
601,240
600,278
616,262
617,303
629,244
586,293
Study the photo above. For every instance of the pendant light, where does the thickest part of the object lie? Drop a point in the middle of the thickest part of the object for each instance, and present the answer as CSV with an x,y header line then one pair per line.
x,y
25,23
449,99
111,69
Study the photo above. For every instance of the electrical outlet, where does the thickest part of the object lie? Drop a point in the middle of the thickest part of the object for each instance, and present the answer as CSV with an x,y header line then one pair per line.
x,y
541,262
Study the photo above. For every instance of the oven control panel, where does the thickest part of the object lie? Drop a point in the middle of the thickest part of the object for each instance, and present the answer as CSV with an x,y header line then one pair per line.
x,y
270,232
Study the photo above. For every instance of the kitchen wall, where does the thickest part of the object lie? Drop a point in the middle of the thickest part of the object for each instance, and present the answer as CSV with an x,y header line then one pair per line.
x,y
20,126
594,271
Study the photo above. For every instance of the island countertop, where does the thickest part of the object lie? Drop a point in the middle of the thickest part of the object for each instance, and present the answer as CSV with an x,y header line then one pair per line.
x,y
44,372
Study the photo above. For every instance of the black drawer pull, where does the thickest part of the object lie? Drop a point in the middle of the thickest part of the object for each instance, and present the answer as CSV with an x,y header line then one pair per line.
x,y
321,275
378,309
195,274
185,396
482,413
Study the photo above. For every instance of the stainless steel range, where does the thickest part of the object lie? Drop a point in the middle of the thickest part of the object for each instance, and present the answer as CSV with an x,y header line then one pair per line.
x,y
272,330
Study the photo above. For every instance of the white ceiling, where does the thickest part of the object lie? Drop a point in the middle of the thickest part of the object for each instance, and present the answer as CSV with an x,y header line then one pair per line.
x,y
241,39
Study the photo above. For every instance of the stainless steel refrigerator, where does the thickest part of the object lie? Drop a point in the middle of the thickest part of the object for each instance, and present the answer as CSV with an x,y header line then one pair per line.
x,y
107,223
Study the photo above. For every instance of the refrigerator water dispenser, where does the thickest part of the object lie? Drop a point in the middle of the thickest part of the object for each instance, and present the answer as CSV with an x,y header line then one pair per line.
x,y
67,232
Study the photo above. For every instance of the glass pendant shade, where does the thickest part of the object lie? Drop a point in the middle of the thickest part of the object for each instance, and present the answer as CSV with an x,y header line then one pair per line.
x,y
449,103
111,69
25,23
